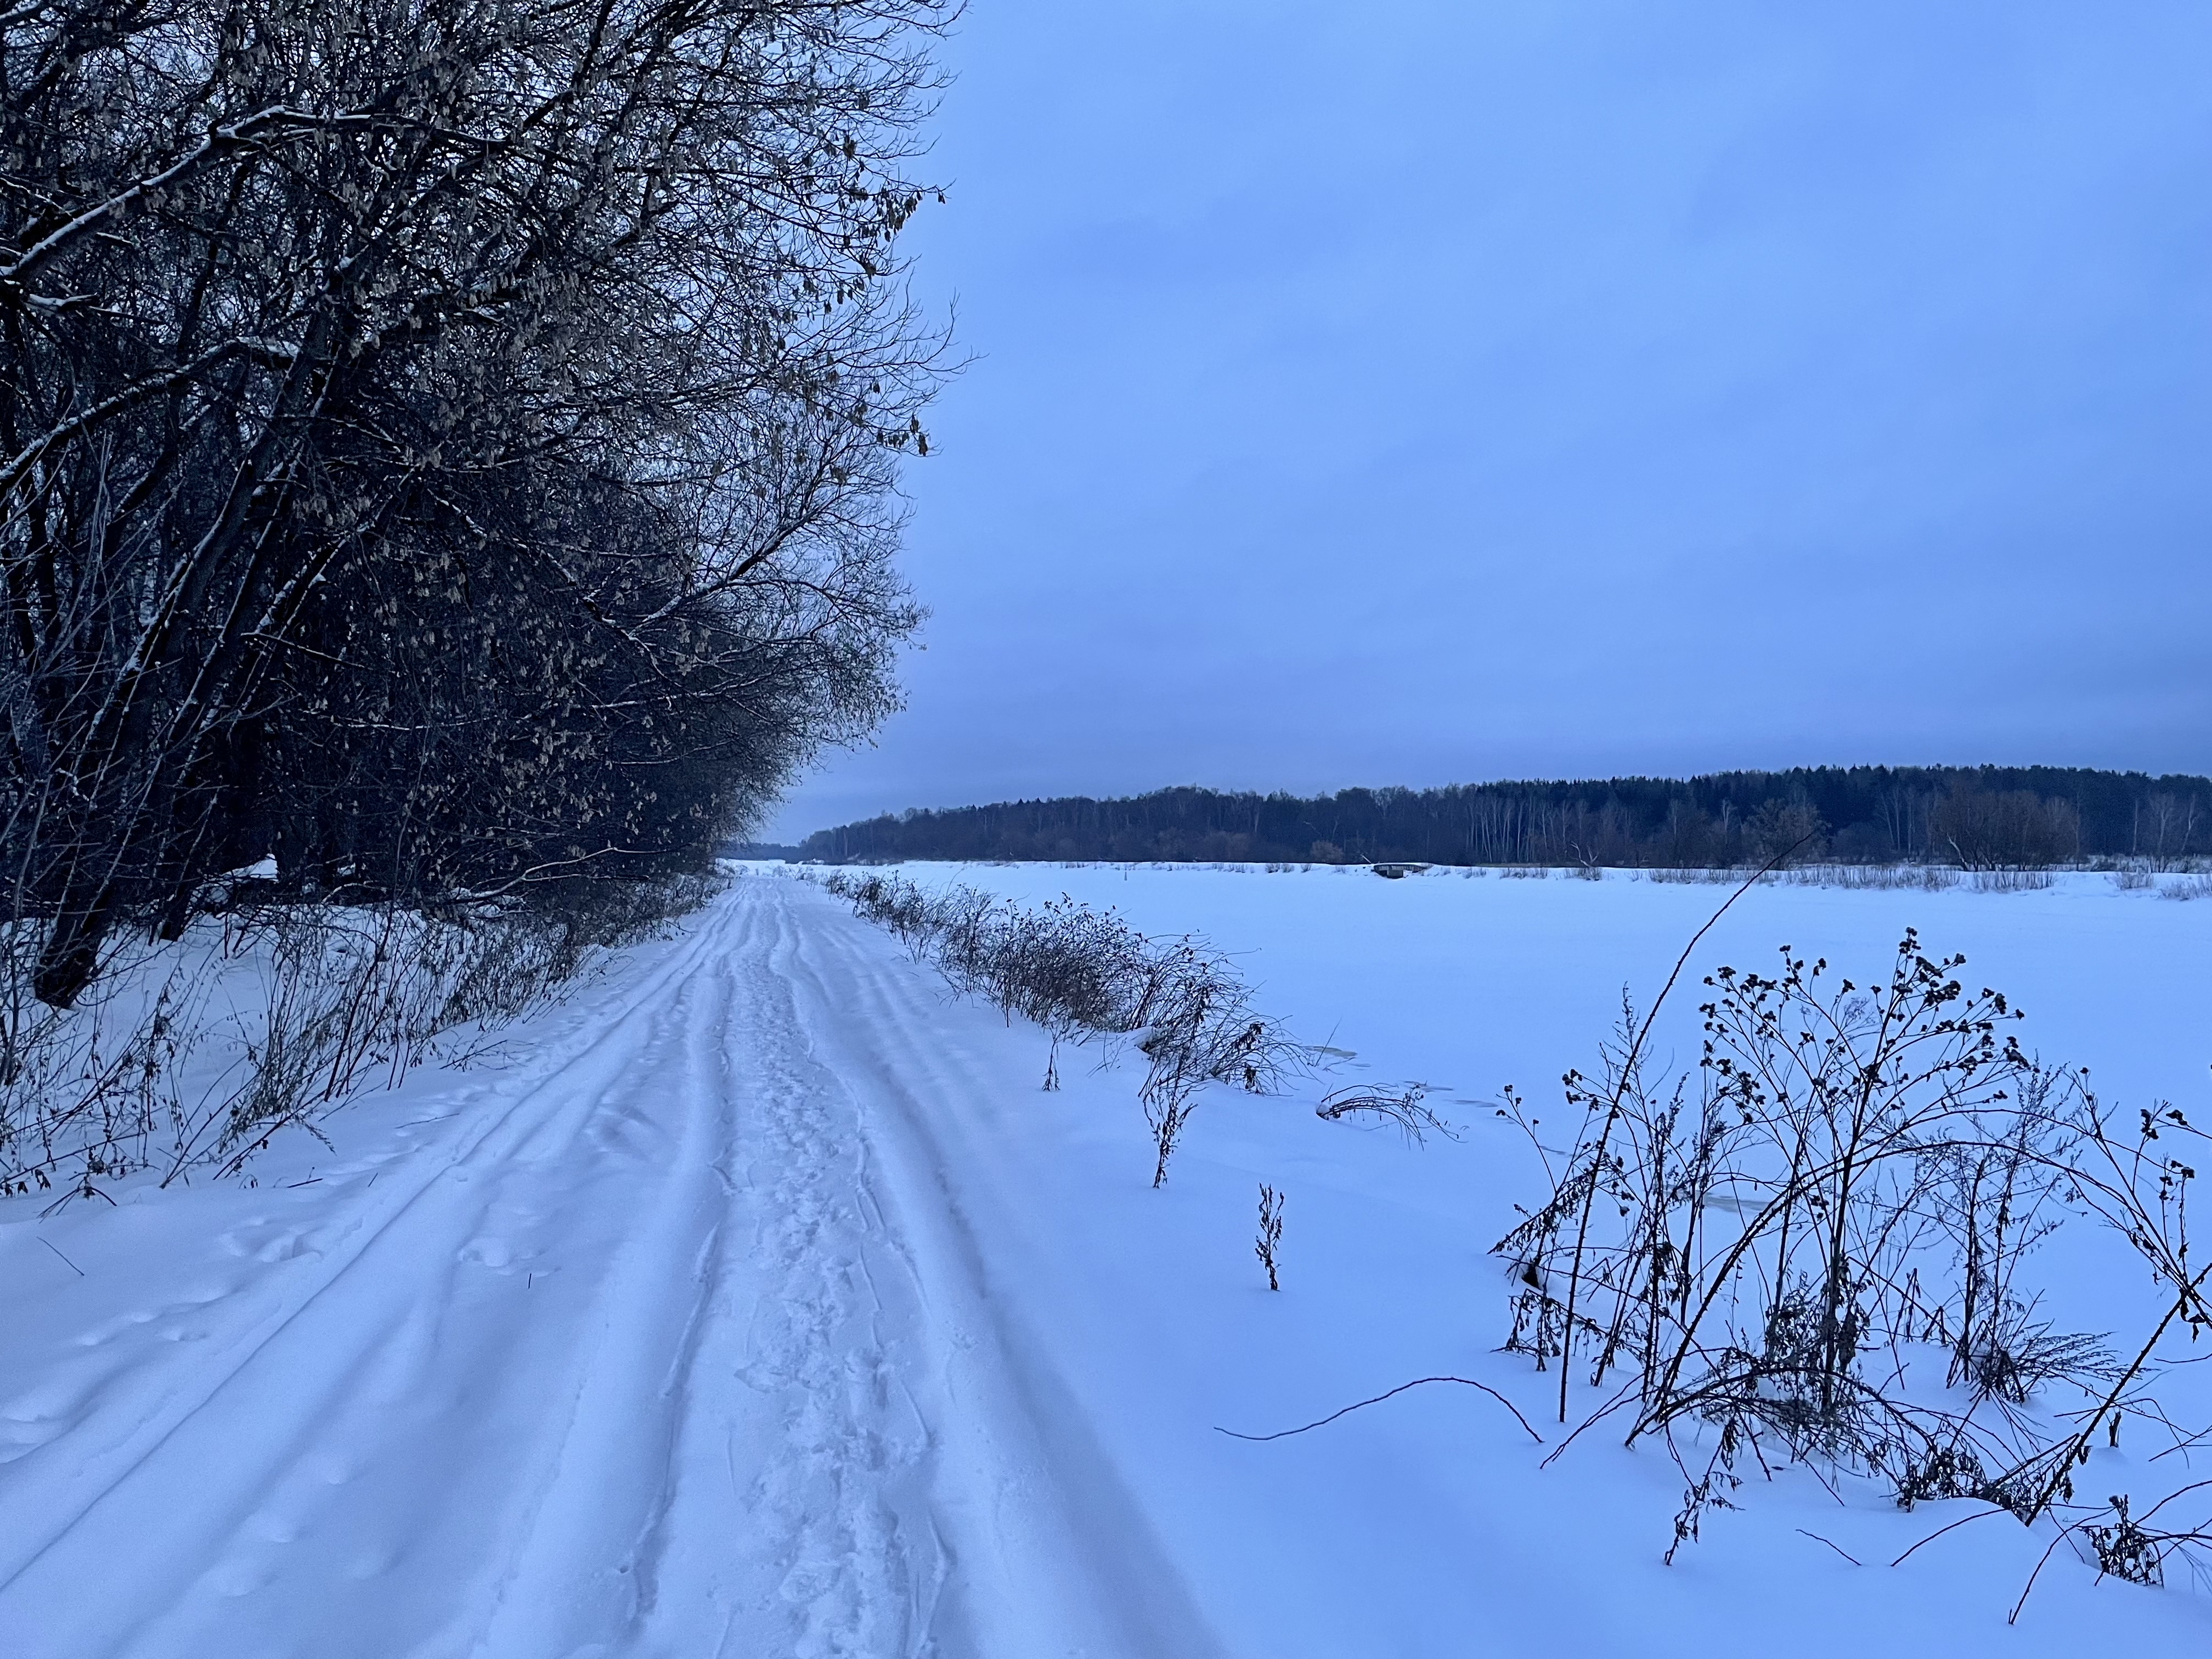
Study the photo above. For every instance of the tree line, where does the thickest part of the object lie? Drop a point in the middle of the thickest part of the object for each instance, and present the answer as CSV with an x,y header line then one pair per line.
x,y
1976,818
447,446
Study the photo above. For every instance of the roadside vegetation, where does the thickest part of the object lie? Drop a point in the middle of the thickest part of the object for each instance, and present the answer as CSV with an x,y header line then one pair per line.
x,y
1819,1249
1840,1243
1087,976
447,485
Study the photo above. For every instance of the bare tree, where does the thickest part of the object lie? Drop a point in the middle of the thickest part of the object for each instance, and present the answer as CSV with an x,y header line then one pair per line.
x,y
1985,829
448,443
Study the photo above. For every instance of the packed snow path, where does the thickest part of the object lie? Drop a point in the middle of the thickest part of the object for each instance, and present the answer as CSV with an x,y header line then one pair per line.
x,y
669,1340
758,1304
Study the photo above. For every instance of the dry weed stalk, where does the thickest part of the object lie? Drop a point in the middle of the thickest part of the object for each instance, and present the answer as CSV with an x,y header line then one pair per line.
x,y
1415,1121
319,1001
1084,974
1271,1231
1777,1255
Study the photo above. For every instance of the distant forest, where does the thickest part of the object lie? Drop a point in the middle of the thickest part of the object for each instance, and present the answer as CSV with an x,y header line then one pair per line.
x,y
1976,818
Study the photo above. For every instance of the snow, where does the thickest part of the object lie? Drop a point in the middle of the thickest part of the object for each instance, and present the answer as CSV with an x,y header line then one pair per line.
x,y
762,1302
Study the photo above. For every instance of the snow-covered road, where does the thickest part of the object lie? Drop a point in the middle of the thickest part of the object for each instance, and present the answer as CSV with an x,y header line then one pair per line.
x,y
759,1303
668,1341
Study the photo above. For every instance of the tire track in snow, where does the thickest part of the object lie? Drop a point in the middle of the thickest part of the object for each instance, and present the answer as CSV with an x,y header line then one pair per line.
x,y
350,1383
674,1344
106,1452
1055,1555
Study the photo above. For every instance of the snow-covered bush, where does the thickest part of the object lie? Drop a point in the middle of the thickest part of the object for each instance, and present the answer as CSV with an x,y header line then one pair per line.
x,y
1814,1248
191,1054
1081,974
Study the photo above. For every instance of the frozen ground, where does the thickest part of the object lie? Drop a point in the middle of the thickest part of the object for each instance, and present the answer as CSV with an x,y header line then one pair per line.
x,y
762,1304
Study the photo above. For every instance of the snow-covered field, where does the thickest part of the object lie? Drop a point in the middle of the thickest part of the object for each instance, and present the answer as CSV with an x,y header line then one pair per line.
x,y
763,1305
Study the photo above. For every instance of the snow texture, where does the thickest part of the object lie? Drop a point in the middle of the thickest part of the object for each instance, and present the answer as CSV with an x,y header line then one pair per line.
x,y
761,1303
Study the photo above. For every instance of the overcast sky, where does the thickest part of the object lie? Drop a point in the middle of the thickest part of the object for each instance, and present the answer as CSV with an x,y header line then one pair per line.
x,y
1441,390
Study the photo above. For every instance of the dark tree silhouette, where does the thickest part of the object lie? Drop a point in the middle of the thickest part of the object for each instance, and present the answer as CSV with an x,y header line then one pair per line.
x,y
448,443
1979,817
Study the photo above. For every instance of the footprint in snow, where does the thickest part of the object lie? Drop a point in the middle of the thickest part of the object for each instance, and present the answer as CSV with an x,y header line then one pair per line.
x,y
254,1241
244,1240
51,1400
286,1247
240,1576
108,1330
32,1419
493,1253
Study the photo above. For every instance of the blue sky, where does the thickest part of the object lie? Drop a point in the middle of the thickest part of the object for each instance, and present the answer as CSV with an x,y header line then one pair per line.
x,y
1426,392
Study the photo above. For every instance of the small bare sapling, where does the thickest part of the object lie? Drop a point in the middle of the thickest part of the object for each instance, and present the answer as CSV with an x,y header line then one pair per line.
x,y
1271,1231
